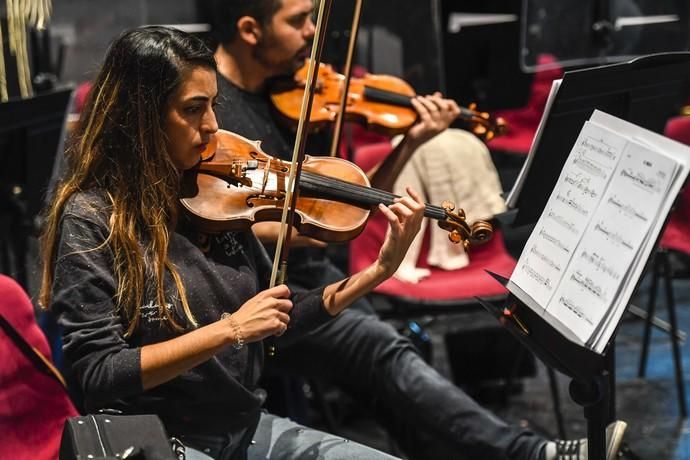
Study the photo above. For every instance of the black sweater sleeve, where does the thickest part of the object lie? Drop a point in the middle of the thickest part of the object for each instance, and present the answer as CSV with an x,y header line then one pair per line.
x,y
308,309
106,366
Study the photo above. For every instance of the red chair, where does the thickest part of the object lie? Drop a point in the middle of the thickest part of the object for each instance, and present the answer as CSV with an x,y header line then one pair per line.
x,y
674,242
33,404
677,233
442,286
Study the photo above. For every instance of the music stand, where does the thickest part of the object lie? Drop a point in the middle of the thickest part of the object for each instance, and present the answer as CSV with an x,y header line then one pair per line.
x,y
645,92
590,386
30,136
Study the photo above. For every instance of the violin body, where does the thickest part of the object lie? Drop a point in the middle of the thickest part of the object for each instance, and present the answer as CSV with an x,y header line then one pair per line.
x,y
382,117
236,185
380,102
239,185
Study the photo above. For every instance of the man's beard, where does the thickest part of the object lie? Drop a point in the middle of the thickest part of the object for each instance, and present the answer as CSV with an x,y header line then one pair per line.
x,y
284,67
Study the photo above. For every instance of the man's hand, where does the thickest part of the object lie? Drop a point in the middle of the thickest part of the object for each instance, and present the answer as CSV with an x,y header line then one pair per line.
x,y
435,115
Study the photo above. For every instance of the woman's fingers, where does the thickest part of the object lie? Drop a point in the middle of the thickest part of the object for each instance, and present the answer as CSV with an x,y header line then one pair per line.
x,y
392,217
403,211
280,291
281,324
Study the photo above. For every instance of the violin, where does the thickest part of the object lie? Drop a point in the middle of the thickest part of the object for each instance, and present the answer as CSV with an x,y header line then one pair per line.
x,y
381,102
236,184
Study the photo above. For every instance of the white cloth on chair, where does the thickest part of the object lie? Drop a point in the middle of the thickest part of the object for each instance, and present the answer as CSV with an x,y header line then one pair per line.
x,y
455,165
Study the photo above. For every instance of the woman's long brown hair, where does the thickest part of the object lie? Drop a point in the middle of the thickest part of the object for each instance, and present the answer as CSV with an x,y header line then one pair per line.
x,y
120,148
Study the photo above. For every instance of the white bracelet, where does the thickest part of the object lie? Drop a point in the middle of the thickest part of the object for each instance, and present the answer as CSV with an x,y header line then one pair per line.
x,y
239,338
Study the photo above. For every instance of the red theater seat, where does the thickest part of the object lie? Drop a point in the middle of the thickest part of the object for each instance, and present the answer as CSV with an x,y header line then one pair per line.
x,y
442,286
33,404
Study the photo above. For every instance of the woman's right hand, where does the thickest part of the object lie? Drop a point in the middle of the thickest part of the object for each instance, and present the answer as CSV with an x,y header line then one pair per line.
x,y
265,314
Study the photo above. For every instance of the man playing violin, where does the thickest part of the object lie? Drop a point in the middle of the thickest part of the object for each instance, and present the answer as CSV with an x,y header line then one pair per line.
x,y
427,414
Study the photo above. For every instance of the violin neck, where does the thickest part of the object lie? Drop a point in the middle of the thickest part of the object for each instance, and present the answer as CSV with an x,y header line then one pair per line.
x,y
355,194
387,97
402,100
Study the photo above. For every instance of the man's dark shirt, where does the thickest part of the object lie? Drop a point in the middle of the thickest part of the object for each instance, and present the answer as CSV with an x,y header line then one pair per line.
x,y
252,116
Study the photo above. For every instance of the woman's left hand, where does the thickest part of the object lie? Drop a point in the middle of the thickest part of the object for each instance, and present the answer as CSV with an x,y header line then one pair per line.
x,y
404,221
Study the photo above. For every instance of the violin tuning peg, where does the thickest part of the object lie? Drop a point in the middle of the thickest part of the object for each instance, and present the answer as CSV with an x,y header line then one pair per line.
x,y
448,205
455,237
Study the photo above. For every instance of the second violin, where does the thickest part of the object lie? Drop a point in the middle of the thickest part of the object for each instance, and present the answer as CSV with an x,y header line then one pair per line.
x,y
381,102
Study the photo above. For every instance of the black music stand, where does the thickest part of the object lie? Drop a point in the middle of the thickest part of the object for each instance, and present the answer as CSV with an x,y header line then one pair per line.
x,y
590,386
31,133
645,91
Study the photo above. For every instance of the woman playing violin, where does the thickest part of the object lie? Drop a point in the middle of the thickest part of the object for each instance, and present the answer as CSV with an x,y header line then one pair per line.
x,y
153,322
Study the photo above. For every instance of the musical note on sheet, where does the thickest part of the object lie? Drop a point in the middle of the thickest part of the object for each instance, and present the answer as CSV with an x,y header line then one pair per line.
x,y
546,259
600,264
600,147
581,183
569,225
573,204
639,179
627,209
536,276
612,236
573,307
587,283
553,239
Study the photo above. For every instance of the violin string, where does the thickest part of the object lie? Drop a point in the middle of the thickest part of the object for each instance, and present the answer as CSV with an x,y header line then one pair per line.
x,y
350,192
368,195
328,183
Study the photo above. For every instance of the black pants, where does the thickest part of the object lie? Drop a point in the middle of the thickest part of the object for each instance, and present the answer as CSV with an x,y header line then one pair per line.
x,y
428,415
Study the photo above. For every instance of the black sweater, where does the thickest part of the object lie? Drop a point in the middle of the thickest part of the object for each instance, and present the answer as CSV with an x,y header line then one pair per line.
x,y
217,396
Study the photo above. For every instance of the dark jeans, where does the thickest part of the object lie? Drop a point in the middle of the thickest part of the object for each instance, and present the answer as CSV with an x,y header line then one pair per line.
x,y
429,416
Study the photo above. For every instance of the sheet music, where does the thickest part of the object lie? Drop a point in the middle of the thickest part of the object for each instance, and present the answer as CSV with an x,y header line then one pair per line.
x,y
588,250
680,153
615,233
577,193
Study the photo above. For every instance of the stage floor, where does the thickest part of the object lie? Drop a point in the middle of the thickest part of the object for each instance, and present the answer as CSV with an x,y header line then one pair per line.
x,y
649,405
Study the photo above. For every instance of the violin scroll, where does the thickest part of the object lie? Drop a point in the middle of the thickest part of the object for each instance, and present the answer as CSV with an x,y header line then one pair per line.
x,y
482,124
459,231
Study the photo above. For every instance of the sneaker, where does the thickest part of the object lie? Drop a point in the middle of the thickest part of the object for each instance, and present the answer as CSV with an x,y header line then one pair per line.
x,y
577,449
